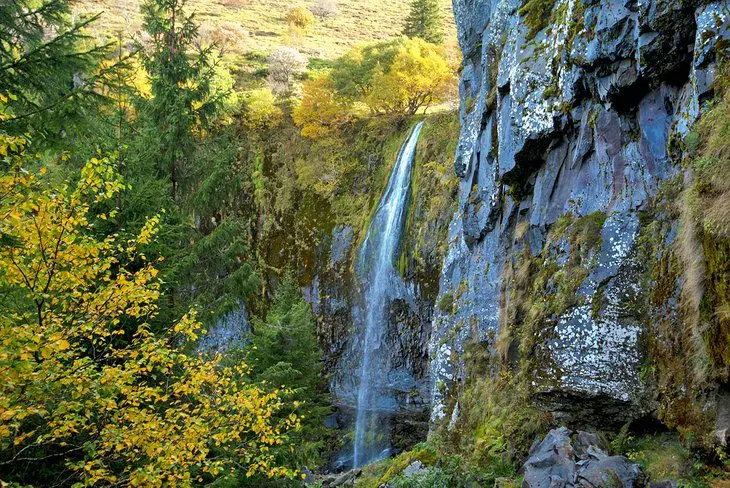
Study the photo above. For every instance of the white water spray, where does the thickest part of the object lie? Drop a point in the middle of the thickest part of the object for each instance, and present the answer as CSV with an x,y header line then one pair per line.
x,y
376,271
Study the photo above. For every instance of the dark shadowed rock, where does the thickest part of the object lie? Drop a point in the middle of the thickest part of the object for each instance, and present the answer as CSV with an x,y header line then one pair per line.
x,y
588,445
562,460
551,463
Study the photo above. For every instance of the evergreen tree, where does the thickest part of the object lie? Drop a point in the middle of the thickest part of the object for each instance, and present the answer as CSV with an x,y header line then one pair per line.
x,y
48,67
424,21
285,352
181,80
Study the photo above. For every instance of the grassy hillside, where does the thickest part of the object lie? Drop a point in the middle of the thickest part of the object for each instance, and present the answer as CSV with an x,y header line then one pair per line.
x,y
256,26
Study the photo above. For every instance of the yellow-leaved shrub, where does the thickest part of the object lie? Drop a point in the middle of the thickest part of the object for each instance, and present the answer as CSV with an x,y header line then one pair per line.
x,y
321,111
84,381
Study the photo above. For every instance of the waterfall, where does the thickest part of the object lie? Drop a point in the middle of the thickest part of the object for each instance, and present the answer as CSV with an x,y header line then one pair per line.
x,y
377,276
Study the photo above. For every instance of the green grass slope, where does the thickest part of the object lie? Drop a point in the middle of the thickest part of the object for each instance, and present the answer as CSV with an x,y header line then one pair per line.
x,y
246,26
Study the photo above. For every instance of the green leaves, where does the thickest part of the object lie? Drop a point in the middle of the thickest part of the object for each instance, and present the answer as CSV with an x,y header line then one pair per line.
x,y
49,65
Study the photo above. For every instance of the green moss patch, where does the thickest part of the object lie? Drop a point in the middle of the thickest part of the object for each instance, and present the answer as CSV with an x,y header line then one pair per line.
x,y
537,15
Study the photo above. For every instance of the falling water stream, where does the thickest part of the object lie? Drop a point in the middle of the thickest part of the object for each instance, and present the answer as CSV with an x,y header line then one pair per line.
x,y
376,272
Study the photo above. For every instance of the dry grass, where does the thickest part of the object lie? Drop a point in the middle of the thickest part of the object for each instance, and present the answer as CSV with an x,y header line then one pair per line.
x,y
259,25
690,252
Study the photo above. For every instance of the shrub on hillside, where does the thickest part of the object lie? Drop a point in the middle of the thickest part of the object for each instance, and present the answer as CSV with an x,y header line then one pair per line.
x,y
322,111
299,18
228,34
284,64
325,9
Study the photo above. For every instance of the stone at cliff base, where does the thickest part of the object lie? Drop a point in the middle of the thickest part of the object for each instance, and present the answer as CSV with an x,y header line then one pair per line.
x,y
560,462
345,479
552,462
613,471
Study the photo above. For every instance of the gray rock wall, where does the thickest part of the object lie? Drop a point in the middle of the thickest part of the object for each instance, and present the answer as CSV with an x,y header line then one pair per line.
x,y
566,121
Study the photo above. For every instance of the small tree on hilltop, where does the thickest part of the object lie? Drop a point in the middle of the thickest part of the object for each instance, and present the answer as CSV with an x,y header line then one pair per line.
x,y
284,64
424,21
394,77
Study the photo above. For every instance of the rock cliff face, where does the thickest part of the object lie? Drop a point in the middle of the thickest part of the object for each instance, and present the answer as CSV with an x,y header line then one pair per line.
x,y
573,116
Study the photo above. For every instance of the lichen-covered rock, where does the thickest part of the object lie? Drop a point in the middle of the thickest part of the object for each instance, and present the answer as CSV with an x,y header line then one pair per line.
x,y
564,118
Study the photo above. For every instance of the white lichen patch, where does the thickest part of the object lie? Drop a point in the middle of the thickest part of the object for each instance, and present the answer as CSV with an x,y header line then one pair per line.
x,y
598,356
441,373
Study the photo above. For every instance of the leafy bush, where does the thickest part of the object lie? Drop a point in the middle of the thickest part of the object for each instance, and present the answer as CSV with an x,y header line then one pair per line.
x,y
260,109
299,18
322,111
429,478
87,391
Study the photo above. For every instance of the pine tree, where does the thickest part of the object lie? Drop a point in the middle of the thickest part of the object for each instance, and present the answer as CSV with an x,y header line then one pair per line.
x,y
424,21
286,352
181,77
48,67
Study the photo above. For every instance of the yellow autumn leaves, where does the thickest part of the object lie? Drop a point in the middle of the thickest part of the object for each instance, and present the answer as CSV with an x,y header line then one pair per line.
x,y
400,77
82,375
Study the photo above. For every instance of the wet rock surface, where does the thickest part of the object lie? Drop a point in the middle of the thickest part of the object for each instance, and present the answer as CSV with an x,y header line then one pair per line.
x,y
722,424
233,329
566,120
566,460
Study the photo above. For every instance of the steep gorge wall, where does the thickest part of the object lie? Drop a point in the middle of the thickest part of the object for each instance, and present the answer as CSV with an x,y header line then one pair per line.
x,y
574,116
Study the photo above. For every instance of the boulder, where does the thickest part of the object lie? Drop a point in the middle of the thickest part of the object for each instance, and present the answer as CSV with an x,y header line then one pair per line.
x,y
562,460
552,462
413,469
610,471
344,479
